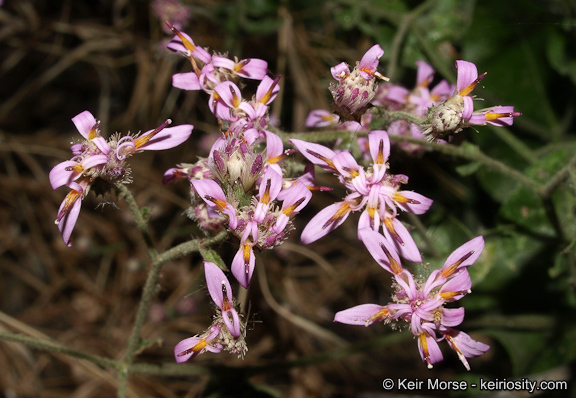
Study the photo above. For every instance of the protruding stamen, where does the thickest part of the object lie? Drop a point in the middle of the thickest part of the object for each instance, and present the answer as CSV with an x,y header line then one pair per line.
x,y
94,130
380,156
353,173
378,317
376,74
424,344
390,227
266,97
278,158
494,116
468,89
235,99
266,196
225,302
247,249
219,203
140,141
69,200
328,162
341,212
290,209
402,199
185,41
240,65
394,265
198,347
451,268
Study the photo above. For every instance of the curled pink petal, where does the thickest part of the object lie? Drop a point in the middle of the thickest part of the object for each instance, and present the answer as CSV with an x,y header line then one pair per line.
x,y
84,122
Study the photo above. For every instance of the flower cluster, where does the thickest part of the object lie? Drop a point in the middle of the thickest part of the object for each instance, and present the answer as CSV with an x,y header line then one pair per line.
x,y
378,195
100,164
457,112
241,184
443,110
421,304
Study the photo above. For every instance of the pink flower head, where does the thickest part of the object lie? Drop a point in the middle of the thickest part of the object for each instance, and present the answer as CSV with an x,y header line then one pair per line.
x,y
422,303
371,190
221,294
95,160
354,90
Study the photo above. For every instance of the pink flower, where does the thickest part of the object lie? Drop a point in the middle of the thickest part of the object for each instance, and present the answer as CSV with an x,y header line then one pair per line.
x,y
95,159
354,90
372,191
212,194
421,303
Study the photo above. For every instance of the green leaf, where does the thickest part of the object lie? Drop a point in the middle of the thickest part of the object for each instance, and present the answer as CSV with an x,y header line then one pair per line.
x,y
212,256
525,207
523,347
468,169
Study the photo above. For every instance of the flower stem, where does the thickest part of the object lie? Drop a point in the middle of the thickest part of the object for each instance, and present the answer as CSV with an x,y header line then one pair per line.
x,y
149,289
50,346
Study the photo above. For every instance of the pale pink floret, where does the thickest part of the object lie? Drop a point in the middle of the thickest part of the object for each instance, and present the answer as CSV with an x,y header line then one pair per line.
x,y
369,62
66,172
186,81
251,68
424,74
340,71
428,348
321,118
69,210
212,194
84,122
363,315
464,256
243,265
326,221
466,80
465,346
167,138
295,199
194,346
270,186
381,250
221,293
267,90
315,153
